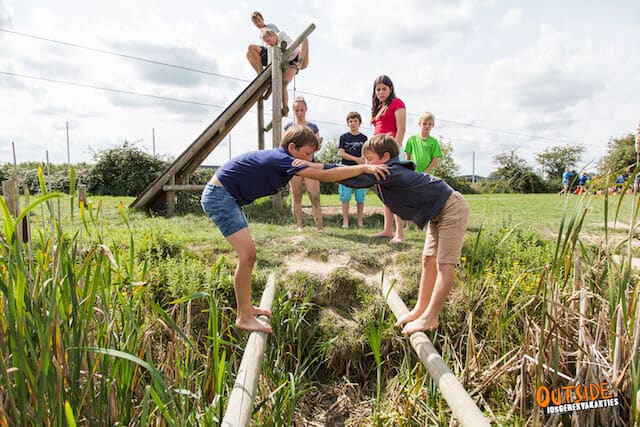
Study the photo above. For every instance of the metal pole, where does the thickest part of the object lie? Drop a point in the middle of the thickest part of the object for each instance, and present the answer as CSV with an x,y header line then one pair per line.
x,y
68,151
473,163
153,137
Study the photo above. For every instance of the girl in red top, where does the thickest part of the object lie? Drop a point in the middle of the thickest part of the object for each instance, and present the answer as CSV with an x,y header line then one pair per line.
x,y
389,116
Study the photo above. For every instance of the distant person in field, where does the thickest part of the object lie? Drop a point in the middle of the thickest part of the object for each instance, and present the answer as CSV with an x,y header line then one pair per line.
x,y
636,183
313,186
423,199
388,116
582,183
256,174
566,178
298,60
258,54
350,151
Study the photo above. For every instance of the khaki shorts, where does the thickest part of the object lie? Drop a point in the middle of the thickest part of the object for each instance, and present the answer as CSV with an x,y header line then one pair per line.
x,y
445,232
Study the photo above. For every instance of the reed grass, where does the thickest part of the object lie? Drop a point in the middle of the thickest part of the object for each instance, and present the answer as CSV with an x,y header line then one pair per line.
x,y
105,319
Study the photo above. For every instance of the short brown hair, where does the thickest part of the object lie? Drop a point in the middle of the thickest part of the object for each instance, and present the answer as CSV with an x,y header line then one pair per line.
x,y
300,136
255,15
380,144
354,115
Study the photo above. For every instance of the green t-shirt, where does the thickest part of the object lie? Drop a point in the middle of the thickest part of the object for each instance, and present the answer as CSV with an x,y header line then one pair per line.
x,y
421,151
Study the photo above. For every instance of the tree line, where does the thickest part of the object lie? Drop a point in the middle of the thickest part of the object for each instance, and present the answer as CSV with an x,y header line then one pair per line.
x,y
126,170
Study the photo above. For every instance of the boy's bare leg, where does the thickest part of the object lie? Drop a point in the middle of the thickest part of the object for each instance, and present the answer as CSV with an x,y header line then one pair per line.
x,y
304,53
287,76
427,281
429,318
388,224
399,236
345,214
360,212
253,55
246,251
313,187
296,195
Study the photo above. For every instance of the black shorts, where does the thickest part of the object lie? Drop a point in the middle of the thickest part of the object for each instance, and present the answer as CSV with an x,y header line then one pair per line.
x,y
263,56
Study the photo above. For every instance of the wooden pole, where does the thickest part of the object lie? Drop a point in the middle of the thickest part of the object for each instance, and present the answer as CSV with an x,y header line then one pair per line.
x,y
463,407
260,124
240,404
82,194
10,196
171,198
276,118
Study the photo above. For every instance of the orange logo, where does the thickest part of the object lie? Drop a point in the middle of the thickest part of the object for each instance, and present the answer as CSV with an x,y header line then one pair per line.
x,y
575,397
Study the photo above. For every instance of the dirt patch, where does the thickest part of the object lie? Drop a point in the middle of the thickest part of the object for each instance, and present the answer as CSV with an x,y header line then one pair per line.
x,y
315,266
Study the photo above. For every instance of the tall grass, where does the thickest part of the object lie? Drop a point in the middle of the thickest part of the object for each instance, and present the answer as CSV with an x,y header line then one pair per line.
x,y
136,328
80,341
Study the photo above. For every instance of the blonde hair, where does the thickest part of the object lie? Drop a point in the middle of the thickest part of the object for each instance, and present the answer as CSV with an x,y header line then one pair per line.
x,y
300,136
380,144
266,31
426,116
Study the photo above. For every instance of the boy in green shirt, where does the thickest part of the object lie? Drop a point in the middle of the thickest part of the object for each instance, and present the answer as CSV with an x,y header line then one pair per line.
x,y
424,150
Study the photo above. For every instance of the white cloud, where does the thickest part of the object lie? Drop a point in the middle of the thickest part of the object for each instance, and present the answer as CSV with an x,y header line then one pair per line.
x,y
511,19
564,73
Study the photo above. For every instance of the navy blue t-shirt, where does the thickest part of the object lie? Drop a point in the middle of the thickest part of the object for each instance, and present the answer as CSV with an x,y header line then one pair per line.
x,y
257,174
352,144
314,127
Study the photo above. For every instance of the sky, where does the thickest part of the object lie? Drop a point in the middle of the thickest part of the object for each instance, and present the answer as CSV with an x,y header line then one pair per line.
x,y
498,75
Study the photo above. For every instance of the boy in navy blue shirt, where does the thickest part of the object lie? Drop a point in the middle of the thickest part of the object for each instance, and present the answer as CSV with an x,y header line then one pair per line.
x,y
256,174
423,199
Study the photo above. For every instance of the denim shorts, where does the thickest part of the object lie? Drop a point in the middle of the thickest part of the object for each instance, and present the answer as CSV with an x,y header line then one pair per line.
x,y
223,209
345,193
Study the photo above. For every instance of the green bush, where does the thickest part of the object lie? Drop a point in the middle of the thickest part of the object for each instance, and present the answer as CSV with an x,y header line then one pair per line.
x,y
124,171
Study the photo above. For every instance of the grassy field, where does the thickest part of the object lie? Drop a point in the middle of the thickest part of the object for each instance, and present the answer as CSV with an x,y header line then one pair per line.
x,y
117,316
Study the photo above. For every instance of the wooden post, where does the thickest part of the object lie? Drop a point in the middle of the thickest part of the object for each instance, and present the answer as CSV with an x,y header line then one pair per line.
x,y
240,404
276,118
11,196
171,198
260,124
26,226
82,194
464,409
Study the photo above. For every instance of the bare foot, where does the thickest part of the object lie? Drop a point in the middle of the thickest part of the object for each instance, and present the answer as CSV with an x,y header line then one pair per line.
x,y
299,229
252,324
412,315
383,234
420,324
396,240
257,311
345,225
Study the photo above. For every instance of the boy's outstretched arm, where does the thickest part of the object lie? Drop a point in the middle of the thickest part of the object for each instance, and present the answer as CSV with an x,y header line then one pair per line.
x,y
344,172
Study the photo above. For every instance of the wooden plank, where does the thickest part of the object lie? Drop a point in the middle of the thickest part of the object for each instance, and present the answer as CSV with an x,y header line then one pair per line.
x,y
240,406
183,187
463,407
220,126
